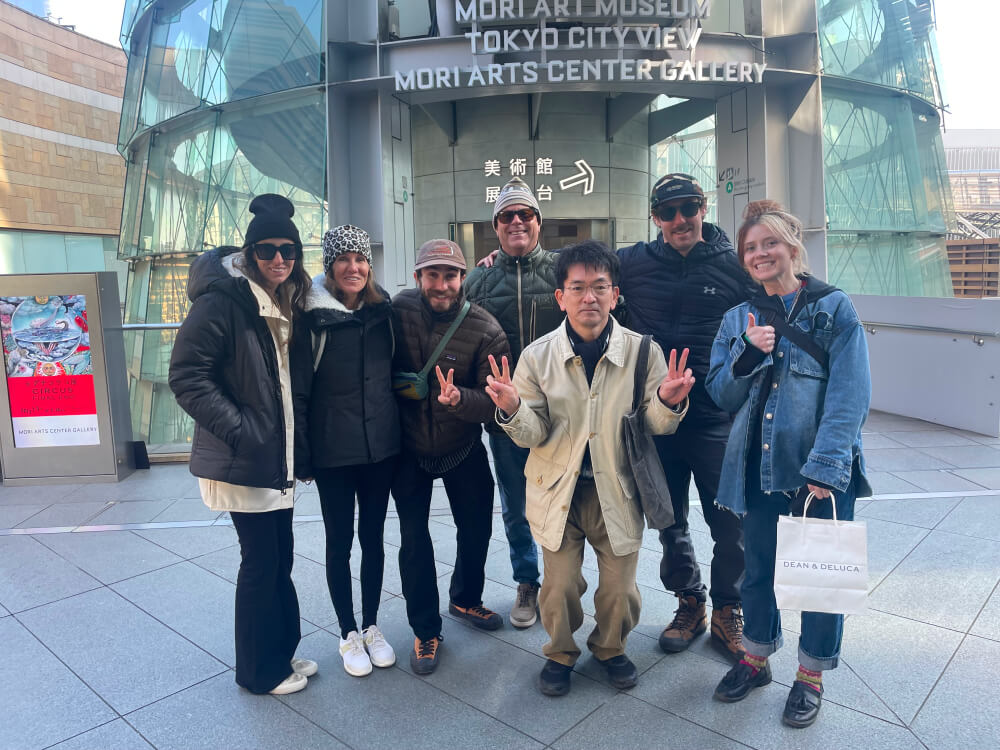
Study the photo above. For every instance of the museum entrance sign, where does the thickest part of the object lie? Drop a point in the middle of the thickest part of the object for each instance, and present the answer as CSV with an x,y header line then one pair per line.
x,y
64,397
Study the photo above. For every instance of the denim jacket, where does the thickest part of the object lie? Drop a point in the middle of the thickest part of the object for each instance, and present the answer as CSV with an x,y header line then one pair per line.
x,y
810,421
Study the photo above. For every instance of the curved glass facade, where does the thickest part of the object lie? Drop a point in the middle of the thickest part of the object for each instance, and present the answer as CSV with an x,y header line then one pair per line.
x,y
887,195
221,104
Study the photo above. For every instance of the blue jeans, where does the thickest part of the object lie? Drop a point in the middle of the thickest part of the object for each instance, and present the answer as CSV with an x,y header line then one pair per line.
x,y
508,462
819,643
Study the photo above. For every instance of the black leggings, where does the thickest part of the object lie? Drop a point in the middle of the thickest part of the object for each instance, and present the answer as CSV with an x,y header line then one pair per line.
x,y
337,490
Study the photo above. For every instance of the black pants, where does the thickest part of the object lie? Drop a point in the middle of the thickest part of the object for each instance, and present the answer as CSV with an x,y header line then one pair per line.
x,y
698,449
337,490
267,609
470,494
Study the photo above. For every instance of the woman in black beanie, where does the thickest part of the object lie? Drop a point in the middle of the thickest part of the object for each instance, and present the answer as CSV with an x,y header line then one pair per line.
x,y
231,370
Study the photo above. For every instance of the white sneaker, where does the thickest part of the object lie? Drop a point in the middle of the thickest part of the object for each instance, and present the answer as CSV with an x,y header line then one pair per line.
x,y
291,684
379,650
305,667
356,661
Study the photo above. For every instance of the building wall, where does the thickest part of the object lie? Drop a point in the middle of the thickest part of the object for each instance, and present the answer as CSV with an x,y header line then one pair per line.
x,y
60,98
975,267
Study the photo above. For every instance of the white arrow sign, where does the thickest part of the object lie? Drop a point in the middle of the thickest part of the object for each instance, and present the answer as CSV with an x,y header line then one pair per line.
x,y
584,177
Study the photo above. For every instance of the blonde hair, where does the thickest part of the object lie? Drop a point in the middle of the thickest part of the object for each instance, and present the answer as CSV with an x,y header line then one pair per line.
x,y
785,226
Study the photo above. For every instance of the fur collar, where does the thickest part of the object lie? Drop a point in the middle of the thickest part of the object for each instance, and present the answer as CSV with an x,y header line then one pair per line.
x,y
319,297
233,263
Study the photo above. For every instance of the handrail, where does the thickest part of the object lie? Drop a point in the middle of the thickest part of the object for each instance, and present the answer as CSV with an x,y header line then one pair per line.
x,y
145,327
979,337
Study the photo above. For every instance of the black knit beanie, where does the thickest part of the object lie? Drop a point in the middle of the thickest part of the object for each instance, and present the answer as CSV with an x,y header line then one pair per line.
x,y
272,219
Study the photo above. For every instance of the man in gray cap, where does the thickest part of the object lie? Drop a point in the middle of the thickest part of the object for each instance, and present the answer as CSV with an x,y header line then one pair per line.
x,y
443,345
519,290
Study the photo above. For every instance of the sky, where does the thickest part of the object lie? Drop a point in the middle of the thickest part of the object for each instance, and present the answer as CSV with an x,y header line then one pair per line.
x,y
966,33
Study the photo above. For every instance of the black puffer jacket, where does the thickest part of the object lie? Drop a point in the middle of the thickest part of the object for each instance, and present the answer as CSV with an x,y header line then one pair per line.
x,y
519,293
350,410
431,429
224,373
681,300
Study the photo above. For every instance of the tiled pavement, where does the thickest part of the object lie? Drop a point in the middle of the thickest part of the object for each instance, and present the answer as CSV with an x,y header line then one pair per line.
x,y
116,621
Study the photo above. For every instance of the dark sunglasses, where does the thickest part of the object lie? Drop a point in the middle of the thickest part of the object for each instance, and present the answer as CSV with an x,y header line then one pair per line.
x,y
689,209
267,252
524,214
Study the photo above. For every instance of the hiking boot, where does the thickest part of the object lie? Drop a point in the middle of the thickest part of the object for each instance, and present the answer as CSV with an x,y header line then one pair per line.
x,y
802,706
727,630
740,680
524,613
424,656
482,618
622,673
689,622
554,678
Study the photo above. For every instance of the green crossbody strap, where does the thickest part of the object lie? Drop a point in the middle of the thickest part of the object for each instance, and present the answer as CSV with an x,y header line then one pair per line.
x,y
446,338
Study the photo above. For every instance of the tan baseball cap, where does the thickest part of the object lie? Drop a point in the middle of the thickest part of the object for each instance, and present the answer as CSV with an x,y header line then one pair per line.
x,y
440,253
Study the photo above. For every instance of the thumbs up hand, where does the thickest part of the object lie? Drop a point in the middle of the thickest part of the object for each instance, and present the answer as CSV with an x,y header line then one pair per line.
x,y
762,337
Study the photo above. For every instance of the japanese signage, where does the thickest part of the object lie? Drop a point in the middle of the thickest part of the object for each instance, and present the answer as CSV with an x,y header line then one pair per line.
x,y
50,376
583,178
682,36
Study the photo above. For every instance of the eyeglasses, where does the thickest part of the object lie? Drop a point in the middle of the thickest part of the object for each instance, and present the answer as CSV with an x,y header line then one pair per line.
x,y
578,290
288,251
524,214
667,213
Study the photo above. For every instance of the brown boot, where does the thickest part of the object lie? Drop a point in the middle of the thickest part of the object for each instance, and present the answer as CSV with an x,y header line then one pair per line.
x,y
689,622
727,630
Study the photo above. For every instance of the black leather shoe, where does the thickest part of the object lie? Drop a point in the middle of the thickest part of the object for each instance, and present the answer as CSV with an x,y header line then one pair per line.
x,y
622,673
802,706
554,678
739,681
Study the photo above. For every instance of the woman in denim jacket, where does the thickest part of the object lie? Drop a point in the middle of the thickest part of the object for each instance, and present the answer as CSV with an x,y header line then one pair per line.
x,y
797,430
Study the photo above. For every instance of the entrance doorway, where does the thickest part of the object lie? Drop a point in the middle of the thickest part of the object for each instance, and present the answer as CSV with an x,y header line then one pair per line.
x,y
478,239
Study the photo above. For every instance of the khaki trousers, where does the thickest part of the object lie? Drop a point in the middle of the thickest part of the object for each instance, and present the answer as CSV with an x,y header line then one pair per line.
x,y
617,601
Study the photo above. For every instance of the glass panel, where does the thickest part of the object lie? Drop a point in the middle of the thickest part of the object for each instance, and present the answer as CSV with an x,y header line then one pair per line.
x,y
44,253
84,253
889,264
11,252
881,41
407,18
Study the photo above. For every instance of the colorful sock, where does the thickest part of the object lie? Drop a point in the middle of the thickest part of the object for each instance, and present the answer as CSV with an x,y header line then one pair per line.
x,y
755,662
810,678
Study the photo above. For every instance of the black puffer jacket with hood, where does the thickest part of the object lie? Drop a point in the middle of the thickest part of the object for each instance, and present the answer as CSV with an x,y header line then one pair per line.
x,y
224,373
350,407
680,300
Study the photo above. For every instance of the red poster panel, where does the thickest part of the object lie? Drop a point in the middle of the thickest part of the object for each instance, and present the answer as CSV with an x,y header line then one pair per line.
x,y
50,376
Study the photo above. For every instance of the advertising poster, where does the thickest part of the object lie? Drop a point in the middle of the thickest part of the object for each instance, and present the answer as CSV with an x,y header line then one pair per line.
x,y
50,377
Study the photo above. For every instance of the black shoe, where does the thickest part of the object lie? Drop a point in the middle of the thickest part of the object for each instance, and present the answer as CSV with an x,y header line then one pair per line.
x,y
554,678
424,656
482,618
802,706
740,680
622,673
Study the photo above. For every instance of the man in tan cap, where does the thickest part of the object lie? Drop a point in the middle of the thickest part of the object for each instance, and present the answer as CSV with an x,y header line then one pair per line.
x,y
443,345
518,289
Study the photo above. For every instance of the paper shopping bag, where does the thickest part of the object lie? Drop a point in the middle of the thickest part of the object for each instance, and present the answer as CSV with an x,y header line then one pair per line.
x,y
821,565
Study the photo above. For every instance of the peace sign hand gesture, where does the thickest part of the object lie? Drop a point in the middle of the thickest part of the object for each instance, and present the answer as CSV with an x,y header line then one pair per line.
x,y
450,395
677,384
500,389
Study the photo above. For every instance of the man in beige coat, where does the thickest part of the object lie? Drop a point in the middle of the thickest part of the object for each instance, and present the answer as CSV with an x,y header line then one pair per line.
x,y
569,393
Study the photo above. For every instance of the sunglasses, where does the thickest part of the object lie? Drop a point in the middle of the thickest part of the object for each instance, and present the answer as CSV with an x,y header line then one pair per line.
x,y
267,252
524,214
689,209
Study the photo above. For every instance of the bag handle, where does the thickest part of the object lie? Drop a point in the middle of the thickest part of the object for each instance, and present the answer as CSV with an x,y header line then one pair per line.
x,y
805,507
641,366
446,338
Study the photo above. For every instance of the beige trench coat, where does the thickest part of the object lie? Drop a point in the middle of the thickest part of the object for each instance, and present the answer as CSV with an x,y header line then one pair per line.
x,y
560,415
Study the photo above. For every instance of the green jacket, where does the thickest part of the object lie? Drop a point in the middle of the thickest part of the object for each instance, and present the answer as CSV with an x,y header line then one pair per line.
x,y
520,294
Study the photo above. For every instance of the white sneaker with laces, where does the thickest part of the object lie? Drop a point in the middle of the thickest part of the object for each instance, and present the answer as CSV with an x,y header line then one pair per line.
x,y
305,667
379,650
291,684
356,661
